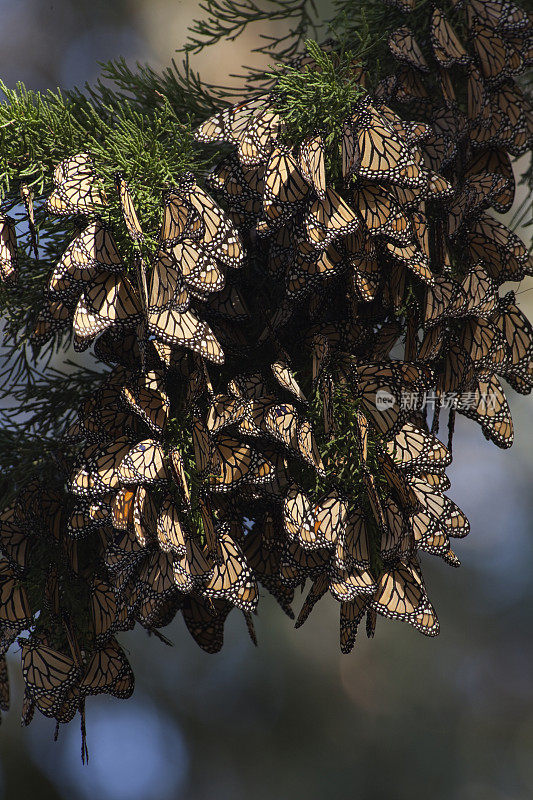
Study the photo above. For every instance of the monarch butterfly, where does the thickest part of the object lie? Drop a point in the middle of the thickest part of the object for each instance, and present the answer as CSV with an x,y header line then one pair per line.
x,y
231,578
284,189
180,220
352,547
444,299
401,595
122,510
414,259
167,287
431,499
224,410
408,88
53,317
103,609
144,516
309,267
240,188
90,252
427,533
366,270
517,129
280,421
396,541
495,161
150,402
501,251
170,534
449,127
15,611
307,446
144,463
178,467
87,518
351,615
8,249
14,541
312,163
446,87
185,329
231,463
479,295
377,152
122,554
252,125
261,548
403,45
414,450
297,518
109,672
345,586
194,568
477,105
198,269
318,526
518,335
109,300
328,219
457,371
491,52
380,214
490,409
447,48
385,339
77,189
205,618
102,419
228,304
286,379
421,231
157,577
388,381
297,564
218,237
46,671
499,14
99,470
483,343
131,219
201,444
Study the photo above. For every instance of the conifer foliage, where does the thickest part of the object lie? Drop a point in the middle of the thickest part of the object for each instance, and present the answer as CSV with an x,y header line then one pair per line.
x,y
282,297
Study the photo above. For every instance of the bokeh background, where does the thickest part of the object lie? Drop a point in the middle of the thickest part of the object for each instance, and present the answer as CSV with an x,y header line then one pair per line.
x,y
403,717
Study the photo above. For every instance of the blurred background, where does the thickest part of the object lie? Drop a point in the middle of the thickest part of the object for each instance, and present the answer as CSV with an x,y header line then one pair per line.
x,y
403,717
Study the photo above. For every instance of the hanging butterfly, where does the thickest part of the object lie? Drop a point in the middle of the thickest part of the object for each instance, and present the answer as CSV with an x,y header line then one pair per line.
x,y
403,45
328,219
218,236
401,595
77,189
312,164
447,48
285,189
8,250
129,213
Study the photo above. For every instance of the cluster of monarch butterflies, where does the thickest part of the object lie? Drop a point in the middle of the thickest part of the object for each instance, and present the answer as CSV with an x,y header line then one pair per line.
x,y
263,419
